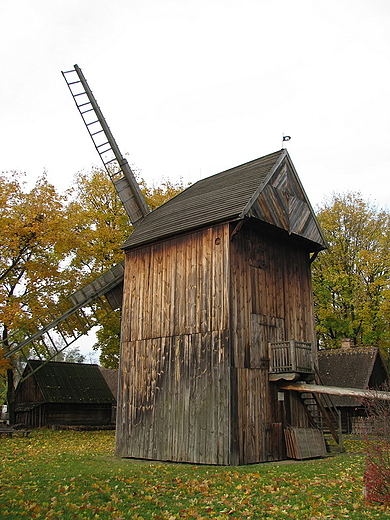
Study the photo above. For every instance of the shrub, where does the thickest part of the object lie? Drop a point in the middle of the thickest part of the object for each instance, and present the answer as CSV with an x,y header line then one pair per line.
x,y
377,472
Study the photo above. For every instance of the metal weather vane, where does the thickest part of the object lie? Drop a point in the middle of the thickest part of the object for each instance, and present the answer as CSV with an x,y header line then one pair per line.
x,y
285,138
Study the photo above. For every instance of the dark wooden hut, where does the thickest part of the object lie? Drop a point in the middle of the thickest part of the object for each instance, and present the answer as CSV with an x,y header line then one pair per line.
x,y
63,394
211,278
353,367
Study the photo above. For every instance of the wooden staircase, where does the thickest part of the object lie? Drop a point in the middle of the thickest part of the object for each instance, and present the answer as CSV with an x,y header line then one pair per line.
x,y
291,364
322,412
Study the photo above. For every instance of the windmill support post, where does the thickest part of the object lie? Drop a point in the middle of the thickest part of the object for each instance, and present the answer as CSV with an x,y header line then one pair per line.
x,y
335,390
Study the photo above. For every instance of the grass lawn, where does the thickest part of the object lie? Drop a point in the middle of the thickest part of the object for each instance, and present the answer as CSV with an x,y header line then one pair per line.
x,y
74,475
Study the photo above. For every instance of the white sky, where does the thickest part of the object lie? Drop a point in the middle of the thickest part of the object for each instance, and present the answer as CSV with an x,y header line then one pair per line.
x,y
193,87
190,88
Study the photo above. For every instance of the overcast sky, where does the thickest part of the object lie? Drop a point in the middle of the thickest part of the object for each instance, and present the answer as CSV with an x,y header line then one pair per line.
x,y
190,88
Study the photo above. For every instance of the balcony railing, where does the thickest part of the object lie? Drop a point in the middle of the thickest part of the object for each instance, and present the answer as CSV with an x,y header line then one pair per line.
x,y
291,357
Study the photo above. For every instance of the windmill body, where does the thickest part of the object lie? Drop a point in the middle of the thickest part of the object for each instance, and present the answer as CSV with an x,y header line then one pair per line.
x,y
212,278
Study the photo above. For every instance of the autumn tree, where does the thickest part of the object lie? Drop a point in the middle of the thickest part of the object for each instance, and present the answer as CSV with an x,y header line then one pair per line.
x,y
32,231
98,225
351,278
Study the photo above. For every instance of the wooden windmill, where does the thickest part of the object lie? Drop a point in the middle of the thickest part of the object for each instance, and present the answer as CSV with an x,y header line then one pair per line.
x,y
217,311
217,314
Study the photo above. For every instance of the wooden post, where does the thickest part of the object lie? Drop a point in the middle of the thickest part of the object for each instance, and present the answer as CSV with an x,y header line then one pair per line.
x,y
340,427
335,390
293,356
283,406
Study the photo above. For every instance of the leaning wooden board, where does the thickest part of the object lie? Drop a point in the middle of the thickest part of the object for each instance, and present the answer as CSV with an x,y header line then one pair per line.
x,y
304,443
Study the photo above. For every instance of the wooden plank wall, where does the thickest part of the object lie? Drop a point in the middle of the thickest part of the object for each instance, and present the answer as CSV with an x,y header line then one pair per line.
x,y
174,399
28,392
44,414
199,311
271,300
34,418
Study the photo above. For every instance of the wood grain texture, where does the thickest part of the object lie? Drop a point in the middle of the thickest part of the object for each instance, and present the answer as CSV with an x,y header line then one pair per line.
x,y
271,301
199,311
175,402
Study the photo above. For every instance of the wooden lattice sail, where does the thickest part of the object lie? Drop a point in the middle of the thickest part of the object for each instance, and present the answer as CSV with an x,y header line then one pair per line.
x,y
61,325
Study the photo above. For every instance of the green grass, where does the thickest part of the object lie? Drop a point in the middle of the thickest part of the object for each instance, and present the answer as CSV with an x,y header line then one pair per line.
x,y
74,475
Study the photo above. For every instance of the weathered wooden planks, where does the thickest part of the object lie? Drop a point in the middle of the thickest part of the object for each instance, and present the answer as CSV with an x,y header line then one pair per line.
x,y
199,311
175,403
177,406
282,202
270,302
178,286
304,443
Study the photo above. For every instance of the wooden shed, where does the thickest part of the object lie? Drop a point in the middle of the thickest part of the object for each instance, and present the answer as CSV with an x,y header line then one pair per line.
x,y
63,394
214,279
353,367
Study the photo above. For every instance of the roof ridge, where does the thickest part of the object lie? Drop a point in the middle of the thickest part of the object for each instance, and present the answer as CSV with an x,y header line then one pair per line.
x,y
352,350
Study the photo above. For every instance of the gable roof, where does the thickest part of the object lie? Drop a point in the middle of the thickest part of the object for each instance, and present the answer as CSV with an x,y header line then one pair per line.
x,y
61,382
267,189
349,368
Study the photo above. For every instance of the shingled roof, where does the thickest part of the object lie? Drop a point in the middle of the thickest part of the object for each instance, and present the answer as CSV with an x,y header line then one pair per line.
x,y
61,382
236,194
356,367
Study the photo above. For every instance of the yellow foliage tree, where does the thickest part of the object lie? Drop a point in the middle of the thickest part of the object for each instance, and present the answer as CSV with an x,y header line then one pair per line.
x,y
33,227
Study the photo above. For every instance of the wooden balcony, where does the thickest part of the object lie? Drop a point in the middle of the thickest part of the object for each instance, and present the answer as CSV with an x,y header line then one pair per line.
x,y
291,360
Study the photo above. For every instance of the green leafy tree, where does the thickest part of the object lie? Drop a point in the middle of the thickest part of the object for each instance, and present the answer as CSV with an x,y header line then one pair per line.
x,y
70,355
351,278
108,340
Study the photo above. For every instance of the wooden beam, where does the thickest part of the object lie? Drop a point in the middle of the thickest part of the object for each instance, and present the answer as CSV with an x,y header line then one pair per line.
x,y
236,229
335,390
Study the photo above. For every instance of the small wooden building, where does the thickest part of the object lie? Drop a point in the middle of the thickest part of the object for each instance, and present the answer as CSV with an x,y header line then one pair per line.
x,y
63,394
211,278
352,367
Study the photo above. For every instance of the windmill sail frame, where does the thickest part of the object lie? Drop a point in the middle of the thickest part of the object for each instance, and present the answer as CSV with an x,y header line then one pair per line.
x,y
115,164
45,336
